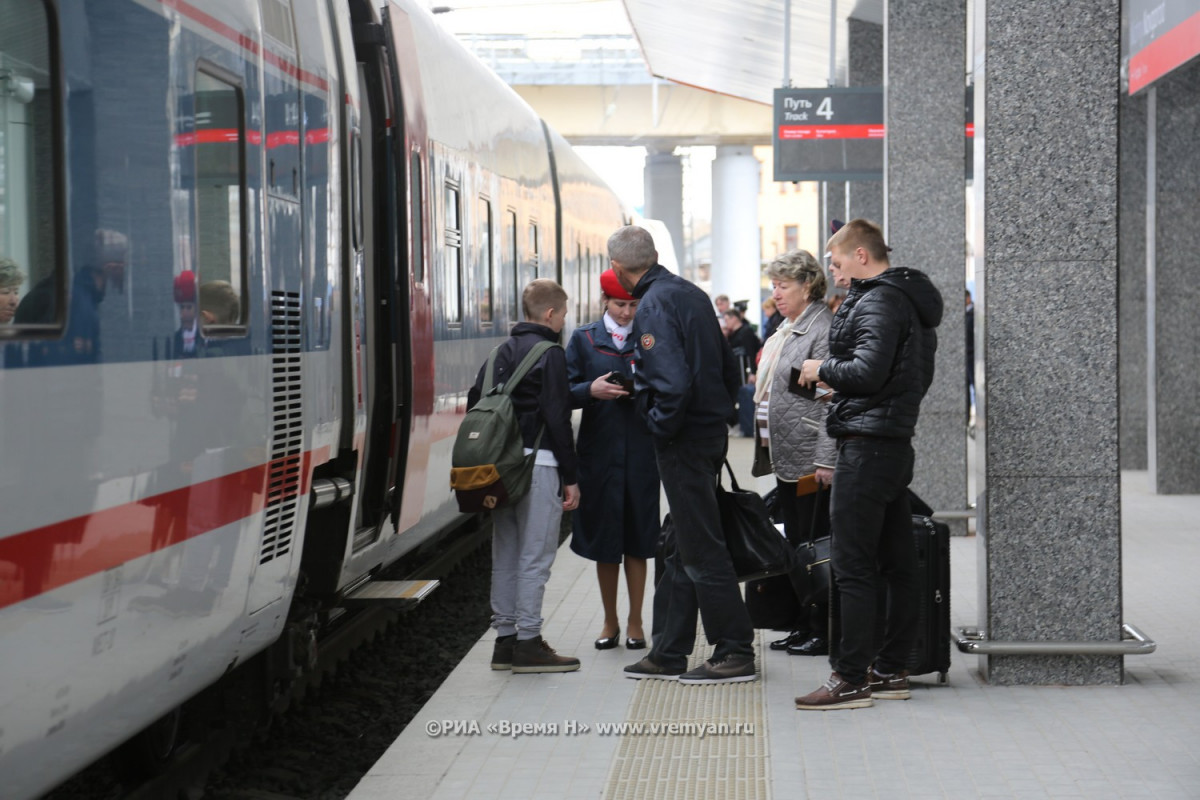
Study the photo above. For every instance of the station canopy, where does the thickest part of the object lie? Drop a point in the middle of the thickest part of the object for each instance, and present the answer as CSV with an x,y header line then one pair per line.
x,y
736,47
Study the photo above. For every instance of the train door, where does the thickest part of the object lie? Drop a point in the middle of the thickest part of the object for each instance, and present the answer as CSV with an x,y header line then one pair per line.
x,y
387,321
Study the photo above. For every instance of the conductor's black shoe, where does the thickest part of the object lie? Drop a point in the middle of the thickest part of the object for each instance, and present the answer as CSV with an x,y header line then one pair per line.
x,y
609,642
816,646
635,644
793,638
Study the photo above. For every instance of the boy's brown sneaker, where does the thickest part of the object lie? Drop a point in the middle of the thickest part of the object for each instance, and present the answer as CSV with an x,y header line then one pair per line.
x,y
836,694
534,655
502,652
889,687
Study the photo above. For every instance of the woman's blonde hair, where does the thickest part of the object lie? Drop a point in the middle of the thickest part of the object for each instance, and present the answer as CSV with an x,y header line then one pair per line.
x,y
799,266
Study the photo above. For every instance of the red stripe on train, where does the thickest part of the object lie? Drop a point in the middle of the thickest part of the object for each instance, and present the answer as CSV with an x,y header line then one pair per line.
x,y
54,555
213,24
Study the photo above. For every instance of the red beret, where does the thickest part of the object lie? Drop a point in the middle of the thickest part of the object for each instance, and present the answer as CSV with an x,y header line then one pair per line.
x,y
185,287
612,287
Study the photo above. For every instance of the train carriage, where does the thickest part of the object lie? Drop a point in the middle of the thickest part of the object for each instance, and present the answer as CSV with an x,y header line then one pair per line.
x,y
265,245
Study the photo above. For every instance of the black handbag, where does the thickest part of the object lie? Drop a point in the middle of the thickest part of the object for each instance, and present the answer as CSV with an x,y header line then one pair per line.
x,y
756,546
772,603
814,557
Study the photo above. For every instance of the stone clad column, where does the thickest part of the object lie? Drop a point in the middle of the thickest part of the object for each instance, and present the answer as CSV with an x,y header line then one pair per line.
x,y
1174,296
662,182
865,54
736,261
1047,86
926,218
1131,255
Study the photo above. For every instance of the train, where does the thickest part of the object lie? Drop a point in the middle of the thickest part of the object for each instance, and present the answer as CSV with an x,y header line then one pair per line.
x,y
262,248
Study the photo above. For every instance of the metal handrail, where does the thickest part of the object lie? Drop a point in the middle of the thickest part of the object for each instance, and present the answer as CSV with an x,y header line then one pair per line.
x,y
1132,643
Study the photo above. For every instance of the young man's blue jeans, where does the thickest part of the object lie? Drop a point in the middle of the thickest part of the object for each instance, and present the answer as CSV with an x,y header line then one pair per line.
x,y
699,576
872,541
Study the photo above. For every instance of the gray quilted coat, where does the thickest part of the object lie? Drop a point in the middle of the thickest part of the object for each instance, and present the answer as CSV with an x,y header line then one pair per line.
x,y
797,448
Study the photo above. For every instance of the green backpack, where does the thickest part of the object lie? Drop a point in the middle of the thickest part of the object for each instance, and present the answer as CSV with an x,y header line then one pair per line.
x,y
488,467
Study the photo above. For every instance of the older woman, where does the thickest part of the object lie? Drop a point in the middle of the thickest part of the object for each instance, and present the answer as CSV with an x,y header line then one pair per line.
x,y
617,519
794,426
11,278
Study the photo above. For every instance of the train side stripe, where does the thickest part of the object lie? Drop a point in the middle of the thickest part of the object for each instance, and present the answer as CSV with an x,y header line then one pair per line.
x,y
245,42
54,555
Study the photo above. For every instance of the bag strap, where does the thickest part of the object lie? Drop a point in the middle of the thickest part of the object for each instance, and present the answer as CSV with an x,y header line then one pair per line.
x,y
732,480
518,374
812,526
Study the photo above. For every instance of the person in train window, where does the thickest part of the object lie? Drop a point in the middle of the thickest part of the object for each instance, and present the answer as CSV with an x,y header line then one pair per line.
x,y
183,344
618,517
81,342
219,304
685,380
11,278
525,536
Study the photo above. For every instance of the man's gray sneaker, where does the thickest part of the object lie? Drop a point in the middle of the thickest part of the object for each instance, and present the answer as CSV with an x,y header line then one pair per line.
x,y
648,669
731,669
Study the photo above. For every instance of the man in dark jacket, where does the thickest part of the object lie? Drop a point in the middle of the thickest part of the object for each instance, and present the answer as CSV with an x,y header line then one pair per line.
x,y
685,378
881,357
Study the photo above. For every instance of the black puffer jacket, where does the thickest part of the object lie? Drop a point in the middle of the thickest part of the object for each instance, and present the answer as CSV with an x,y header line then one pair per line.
x,y
543,397
881,354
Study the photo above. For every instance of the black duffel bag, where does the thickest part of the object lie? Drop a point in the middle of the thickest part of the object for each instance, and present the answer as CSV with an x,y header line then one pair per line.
x,y
756,546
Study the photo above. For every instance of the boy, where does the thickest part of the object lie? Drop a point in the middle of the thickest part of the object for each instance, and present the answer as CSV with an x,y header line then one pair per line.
x,y
525,535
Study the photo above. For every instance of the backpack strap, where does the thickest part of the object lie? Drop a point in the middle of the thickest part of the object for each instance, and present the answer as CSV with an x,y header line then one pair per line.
x,y
522,369
526,364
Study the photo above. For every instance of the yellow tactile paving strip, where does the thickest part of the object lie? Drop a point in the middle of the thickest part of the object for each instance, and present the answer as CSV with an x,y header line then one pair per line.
x,y
695,742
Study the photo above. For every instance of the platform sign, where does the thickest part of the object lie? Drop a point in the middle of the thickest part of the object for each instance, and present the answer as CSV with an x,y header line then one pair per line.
x,y
833,134
1158,36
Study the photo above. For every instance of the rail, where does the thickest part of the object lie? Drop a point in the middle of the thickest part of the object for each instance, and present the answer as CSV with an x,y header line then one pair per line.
x,y
1132,643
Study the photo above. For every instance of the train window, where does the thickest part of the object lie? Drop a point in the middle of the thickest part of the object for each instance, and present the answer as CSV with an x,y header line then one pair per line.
x,y
515,312
32,279
453,239
533,250
415,197
487,263
220,200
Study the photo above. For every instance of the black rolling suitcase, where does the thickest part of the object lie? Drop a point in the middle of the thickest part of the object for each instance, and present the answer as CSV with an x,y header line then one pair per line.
x,y
931,650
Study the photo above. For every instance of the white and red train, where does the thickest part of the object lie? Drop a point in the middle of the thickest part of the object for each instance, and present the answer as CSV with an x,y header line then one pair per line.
x,y
348,205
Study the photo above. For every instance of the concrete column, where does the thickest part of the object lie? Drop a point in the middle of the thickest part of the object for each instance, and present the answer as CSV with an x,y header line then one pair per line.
x,y
926,218
736,261
1131,265
1049,525
662,181
1174,293
865,54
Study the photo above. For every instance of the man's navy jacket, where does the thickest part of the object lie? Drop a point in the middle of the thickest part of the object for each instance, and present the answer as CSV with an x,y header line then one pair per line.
x,y
685,375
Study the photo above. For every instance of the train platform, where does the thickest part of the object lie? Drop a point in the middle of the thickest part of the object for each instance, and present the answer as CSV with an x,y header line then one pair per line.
x,y
596,734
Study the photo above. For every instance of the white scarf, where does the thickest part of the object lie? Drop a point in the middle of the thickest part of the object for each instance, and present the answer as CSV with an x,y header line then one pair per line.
x,y
770,358
619,333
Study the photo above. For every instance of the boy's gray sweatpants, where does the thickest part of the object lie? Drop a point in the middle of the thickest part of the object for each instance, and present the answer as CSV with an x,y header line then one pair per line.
x,y
524,543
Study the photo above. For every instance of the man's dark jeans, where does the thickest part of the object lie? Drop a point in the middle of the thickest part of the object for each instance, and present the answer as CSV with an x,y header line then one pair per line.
x,y
872,539
700,573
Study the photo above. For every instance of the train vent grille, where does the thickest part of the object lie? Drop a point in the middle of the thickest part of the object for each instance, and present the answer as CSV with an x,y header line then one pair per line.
x,y
287,441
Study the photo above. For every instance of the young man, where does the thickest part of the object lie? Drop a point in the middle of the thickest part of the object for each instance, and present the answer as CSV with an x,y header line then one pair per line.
x,y
685,381
525,536
880,364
